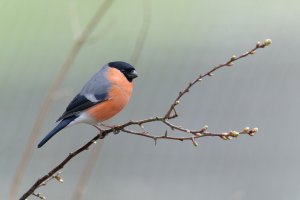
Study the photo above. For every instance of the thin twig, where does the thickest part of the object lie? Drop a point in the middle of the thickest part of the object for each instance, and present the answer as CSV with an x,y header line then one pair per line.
x,y
210,73
41,117
195,134
40,181
226,135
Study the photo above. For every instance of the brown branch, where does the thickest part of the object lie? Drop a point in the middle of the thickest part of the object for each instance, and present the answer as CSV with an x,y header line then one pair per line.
x,y
42,180
210,73
203,133
41,117
196,134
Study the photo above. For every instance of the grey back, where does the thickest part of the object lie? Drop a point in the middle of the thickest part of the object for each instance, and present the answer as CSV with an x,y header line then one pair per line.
x,y
98,84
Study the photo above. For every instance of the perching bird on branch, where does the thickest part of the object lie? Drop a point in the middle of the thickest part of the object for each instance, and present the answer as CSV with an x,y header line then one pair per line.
x,y
102,97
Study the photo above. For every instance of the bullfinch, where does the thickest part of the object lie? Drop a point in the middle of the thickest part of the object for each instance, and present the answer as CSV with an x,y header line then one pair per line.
x,y
102,97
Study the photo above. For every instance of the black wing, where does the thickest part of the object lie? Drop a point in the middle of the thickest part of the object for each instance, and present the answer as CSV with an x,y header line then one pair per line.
x,y
81,103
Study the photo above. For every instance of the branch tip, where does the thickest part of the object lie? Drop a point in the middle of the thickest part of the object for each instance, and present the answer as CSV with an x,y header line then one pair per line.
x,y
194,142
253,131
234,134
246,129
267,42
230,64
59,178
233,58
204,128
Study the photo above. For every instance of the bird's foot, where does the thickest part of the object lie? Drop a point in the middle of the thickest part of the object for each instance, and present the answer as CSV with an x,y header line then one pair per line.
x,y
111,127
100,131
98,128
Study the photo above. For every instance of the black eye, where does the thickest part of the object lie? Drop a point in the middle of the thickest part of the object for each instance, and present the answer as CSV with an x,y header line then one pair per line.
x,y
126,71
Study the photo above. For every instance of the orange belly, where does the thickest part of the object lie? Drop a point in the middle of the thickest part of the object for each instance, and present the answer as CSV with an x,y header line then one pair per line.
x,y
118,99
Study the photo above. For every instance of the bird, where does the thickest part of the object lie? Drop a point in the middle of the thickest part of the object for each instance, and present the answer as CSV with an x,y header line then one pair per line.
x,y
103,96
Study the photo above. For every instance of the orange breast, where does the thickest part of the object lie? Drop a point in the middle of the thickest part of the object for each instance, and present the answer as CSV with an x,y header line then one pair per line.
x,y
119,95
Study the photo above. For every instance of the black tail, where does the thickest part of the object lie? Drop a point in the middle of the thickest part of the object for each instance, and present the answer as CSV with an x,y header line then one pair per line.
x,y
58,128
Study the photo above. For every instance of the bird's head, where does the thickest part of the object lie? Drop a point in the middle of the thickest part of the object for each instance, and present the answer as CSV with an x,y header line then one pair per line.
x,y
127,69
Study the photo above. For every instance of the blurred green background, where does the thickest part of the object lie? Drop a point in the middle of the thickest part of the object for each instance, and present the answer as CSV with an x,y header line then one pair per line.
x,y
185,38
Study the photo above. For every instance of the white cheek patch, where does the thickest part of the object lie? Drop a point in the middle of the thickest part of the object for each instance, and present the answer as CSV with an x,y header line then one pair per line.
x,y
91,98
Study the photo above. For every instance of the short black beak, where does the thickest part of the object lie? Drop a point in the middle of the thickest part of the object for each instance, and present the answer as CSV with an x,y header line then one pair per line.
x,y
133,74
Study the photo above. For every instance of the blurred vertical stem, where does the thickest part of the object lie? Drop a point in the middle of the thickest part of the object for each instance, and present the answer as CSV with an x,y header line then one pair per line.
x,y
87,172
139,45
138,48
37,128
